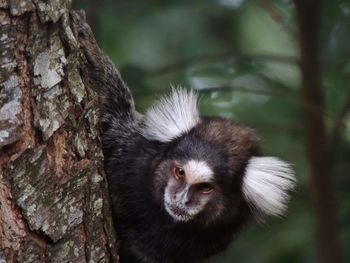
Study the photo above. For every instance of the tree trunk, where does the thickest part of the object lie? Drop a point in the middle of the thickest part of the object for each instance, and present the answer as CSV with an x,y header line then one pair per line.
x,y
318,142
53,195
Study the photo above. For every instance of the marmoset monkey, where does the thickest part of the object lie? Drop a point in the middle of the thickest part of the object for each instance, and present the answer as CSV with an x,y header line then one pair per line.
x,y
181,185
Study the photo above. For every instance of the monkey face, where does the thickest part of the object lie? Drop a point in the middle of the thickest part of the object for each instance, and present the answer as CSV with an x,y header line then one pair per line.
x,y
186,181
190,187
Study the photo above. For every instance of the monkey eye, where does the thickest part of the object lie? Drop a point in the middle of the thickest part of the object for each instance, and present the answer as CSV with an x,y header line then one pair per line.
x,y
179,173
205,188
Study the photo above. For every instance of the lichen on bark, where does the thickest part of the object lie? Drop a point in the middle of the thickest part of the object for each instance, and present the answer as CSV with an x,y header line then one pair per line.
x,y
53,195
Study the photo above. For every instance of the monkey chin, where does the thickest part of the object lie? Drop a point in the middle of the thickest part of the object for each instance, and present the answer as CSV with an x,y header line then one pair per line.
x,y
178,213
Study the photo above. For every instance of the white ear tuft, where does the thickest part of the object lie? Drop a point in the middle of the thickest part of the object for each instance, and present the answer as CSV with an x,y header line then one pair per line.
x,y
266,184
171,116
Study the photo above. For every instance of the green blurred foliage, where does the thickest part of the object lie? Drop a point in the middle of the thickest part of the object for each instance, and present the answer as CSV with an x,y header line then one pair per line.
x,y
242,57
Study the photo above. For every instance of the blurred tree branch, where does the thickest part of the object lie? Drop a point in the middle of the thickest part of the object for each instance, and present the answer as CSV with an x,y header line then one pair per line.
x,y
308,105
318,144
339,122
279,89
236,88
268,6
207,58
285,93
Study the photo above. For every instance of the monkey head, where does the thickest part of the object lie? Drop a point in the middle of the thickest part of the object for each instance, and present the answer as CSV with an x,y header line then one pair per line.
x,y
210,169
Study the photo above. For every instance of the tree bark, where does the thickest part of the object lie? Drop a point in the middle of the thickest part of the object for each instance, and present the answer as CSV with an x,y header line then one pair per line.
x,y
53,195
318,142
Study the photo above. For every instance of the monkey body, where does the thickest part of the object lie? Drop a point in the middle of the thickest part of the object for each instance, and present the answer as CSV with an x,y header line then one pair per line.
x,y
142,222
181,186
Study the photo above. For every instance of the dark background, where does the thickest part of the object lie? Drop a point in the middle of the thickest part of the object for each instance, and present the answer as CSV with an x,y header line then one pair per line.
x,y
244,59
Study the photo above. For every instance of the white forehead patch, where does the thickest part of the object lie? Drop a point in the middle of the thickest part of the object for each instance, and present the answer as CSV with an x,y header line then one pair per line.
x,y
171,116
198,171
266,184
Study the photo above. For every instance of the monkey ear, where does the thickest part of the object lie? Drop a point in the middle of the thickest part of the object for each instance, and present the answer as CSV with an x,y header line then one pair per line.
x,y
266,183
171,116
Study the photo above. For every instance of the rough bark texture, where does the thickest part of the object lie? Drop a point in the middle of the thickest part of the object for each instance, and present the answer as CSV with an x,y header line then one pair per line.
x,y
318,142
53,195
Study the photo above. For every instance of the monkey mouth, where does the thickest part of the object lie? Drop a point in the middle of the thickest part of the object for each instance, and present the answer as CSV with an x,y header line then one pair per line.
x,y
177,213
